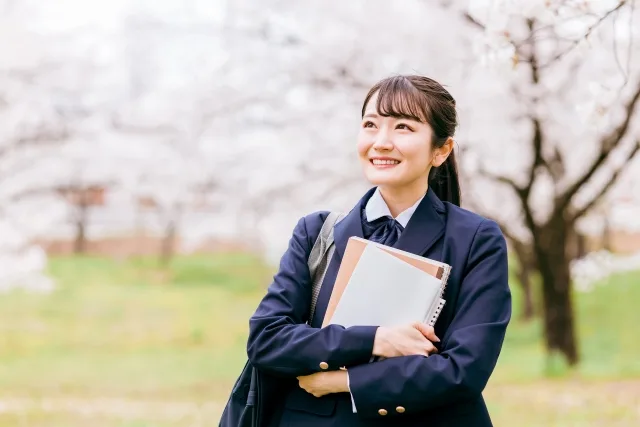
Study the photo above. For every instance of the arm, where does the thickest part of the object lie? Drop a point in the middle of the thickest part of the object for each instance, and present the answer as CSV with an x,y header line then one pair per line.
x,y
470,348
279,340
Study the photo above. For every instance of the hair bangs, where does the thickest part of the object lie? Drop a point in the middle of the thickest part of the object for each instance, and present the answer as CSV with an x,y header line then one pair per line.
x,y
399,98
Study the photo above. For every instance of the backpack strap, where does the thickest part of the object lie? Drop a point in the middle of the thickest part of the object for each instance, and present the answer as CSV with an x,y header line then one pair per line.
x,y
320,257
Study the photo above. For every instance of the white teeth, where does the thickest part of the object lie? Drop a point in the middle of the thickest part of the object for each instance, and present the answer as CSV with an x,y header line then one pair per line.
x,y
385,162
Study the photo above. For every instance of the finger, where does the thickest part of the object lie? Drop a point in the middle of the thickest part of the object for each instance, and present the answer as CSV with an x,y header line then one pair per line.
x,y
428,332
431,349
426,352
420,350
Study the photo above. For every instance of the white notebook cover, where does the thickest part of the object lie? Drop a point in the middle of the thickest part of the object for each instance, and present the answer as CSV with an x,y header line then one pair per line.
x,y
386,291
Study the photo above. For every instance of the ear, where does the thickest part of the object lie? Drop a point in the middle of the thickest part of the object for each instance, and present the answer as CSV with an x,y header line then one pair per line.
x,y
440,154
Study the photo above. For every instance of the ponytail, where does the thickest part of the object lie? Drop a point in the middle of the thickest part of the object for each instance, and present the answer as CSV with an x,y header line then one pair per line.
x,y
444,181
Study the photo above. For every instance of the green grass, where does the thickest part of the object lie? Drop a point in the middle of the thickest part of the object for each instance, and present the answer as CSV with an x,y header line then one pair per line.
x,y
607,320
128,343
129,329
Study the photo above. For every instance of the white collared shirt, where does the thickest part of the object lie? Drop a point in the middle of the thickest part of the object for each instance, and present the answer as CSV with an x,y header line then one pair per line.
x,y
377,208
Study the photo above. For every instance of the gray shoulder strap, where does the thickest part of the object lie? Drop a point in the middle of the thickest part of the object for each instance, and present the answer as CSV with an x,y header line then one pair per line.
x,y
320,257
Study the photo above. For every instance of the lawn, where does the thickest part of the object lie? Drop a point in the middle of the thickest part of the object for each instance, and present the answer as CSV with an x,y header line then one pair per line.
x,y
126,343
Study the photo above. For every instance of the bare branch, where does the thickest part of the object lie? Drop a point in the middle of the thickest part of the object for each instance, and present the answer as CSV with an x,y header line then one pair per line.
x,y
603,191
519,57
521,192
630,49
607,144
531,38
39,137
471,203
556,163
586,35
537,138
33,193
502,179
474,21
617,56
536,143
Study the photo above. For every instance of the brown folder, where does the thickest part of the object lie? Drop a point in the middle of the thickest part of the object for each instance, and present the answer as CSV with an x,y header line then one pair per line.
x,y
352,254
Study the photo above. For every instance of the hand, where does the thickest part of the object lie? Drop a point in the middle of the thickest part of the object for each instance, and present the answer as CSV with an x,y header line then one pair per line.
x,y
322,383
407,340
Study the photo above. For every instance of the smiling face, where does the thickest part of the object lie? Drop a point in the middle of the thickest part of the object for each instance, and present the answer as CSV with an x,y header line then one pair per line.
x,y
395,150
405,143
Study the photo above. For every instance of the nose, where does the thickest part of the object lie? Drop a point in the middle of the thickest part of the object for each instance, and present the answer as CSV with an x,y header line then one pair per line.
x,y
382,141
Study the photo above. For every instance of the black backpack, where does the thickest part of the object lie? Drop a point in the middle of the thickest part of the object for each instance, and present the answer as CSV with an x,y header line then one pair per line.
x,y
254,392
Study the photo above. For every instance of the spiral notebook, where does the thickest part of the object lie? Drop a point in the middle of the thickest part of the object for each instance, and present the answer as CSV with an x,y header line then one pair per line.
x,y
385,286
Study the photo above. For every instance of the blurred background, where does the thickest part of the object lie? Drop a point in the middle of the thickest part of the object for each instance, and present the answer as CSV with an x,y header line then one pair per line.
x,y
156,155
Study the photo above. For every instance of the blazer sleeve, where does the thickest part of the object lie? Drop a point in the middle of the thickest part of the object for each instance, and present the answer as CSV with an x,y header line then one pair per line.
x,y
280,342
470,347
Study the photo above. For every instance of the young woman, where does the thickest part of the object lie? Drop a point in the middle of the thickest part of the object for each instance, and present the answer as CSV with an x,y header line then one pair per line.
x,y
427,378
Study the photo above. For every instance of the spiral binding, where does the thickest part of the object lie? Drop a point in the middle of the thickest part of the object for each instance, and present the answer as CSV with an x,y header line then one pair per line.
x,y
436,312
445,279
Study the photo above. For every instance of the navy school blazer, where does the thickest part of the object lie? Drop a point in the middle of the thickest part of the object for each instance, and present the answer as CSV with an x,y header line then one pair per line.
x,y
443,389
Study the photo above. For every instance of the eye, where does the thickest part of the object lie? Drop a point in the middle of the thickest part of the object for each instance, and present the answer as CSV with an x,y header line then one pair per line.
x,y
404,126
368,124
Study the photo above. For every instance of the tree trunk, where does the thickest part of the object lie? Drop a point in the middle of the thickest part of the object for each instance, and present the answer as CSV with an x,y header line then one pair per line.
x,y
528,307
606,235
524,272
553,262
581,246
168,243
80,243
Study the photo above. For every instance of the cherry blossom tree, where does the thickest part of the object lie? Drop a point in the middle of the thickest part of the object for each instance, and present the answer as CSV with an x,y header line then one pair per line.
x,y
571,131
57,83
30,131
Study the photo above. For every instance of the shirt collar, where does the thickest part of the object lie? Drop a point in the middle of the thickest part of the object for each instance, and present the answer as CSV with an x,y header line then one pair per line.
x,y
377,208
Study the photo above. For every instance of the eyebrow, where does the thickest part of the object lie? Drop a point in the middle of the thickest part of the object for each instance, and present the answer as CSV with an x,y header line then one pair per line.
x,y
375,116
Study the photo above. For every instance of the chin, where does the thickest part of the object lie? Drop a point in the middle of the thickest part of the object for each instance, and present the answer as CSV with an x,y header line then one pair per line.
x,y
380,178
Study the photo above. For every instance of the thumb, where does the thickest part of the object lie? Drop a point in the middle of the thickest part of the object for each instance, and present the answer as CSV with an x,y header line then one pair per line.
x,y
428,332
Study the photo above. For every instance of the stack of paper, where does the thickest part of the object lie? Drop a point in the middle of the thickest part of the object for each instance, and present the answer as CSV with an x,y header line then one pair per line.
x,y
383,286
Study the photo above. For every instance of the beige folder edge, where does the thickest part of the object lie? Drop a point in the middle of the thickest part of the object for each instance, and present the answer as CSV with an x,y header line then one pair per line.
x,y
353,252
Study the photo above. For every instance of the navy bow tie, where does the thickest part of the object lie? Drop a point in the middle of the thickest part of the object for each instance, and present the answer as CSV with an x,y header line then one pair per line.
x,y
384,230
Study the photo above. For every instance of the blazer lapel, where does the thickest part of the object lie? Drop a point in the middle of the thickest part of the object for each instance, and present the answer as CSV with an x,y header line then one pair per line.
x,y
351,225
425,227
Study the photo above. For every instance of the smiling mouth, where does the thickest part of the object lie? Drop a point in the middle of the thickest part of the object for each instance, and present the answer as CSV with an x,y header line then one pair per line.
x,y
384,163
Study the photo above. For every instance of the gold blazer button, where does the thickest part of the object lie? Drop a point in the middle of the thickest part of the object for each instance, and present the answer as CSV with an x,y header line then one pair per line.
x,y
400,409
382,412
324,365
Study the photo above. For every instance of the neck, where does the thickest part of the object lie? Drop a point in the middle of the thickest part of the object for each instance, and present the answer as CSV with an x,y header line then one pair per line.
x,y
402,198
